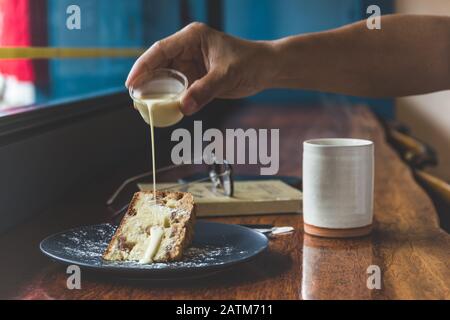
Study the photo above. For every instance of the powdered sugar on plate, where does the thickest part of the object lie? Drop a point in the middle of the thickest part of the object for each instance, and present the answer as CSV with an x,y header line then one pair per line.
x,y
86,246
214,247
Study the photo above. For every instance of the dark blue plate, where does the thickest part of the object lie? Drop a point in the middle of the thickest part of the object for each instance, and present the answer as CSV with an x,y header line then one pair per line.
x,y
215,246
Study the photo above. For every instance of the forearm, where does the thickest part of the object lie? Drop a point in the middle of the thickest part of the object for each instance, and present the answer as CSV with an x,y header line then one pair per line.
x,y
409,55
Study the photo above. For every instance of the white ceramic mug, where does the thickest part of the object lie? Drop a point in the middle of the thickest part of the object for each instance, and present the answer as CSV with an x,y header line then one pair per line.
x,y
338,179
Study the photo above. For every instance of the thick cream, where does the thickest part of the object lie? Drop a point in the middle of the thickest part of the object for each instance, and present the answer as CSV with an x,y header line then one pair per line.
x,y
156,235
158,110
165,109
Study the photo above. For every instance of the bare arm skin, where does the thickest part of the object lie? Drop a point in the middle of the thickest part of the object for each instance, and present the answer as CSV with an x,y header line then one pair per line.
x,y
409,55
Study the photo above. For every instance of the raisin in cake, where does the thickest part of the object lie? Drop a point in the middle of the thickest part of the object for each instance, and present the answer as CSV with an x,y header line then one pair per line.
x,y
154,231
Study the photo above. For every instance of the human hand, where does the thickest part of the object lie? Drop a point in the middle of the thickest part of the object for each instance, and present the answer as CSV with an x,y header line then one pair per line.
x,y
217,65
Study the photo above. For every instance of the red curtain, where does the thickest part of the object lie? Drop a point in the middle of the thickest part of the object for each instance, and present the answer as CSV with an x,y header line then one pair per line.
x,y
15,31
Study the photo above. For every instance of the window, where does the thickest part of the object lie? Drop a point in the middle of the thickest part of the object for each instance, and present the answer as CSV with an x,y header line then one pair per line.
x,y
119,28
55,33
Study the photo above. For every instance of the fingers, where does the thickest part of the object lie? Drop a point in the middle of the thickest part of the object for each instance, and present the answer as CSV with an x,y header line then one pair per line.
x,y
160,54
202,92
150,60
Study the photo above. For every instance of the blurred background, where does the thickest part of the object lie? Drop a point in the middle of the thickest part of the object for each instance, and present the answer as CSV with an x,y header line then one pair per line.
x,y
27,85
138,23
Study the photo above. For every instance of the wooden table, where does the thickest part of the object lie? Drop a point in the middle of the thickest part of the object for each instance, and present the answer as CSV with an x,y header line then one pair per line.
x,y
407,244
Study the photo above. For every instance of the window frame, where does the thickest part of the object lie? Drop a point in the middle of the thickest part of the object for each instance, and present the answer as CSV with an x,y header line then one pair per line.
x,y
37,119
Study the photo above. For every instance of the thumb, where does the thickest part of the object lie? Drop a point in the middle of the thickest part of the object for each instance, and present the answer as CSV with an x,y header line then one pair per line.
x,y
201,92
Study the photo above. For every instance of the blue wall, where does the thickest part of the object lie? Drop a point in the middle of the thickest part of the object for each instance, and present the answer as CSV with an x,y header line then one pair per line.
x,y
269,19
105,23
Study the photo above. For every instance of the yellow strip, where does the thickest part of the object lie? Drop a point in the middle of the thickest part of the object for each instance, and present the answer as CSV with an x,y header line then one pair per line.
x,y
64,53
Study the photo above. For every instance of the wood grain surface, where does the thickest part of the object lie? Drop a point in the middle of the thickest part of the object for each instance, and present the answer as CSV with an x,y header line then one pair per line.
x,y
412,252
